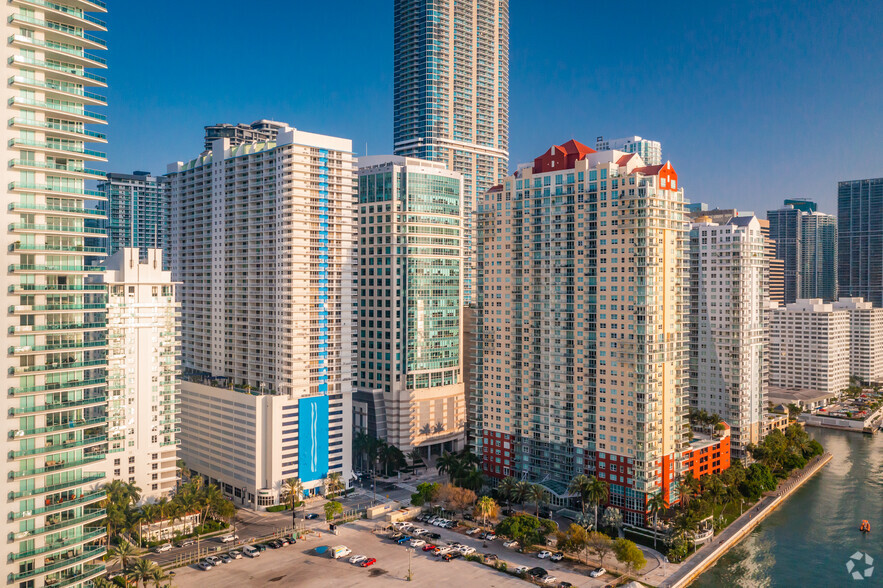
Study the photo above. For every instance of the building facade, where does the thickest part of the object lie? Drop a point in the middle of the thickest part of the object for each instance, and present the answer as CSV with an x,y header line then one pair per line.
x,y
138,212
259,131
818,256
410,371
55,439
785,231
650,151
451,94
775,267
865,339
143,396
708,453
263,245
860,239
728,290
809,347
582,326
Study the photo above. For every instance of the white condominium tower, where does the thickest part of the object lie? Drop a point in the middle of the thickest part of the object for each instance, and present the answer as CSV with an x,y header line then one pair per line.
x,y
410,372
263,238
865,338
727,291
55,403
582,354
142,378
650,151
451,97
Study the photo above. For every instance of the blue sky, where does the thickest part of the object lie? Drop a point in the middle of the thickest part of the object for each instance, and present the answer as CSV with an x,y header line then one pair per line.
x,y
753,102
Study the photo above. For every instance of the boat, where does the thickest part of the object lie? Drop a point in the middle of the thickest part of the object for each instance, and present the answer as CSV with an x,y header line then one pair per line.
x,y
865,527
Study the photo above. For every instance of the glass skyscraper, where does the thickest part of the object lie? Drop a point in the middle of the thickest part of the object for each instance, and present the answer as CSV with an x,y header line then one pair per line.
x,y
451,101
138,214
806,243
860,251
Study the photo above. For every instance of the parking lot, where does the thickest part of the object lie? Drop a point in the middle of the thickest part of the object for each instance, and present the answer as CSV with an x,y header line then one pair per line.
x,y
299,565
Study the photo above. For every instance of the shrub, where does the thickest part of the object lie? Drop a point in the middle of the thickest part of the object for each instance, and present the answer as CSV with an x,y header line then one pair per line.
x,y
276,508
501,565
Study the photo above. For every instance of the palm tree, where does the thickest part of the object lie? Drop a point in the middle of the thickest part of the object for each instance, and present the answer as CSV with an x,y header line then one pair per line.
x,y
505,489
580,485
536,494
158,576
656,504
163,508
467,458
448,464
597,493
142,571
292,490
102,582
486,508
521,492
333,485
149,515
123,554
472,479
211,497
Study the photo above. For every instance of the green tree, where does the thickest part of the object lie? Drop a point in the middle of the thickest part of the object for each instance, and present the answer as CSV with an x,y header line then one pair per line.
x,y
142,572
656,504
506,489
580,485
449,464
521,492
612,518
597,492
601,544
158,576
332,509
334,484
575,539
630,554
486,508
124,553
426,493
292,492
526,529
537,495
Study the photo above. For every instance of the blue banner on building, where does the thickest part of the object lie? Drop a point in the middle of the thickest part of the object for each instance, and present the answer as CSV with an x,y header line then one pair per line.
x,y
312,438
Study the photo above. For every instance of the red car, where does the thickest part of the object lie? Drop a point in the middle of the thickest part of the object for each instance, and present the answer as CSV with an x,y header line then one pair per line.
x,y
368,562
428,547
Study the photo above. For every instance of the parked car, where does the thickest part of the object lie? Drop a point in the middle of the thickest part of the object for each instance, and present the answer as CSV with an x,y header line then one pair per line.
x,y
473,531
557,556
490,536
225,558
274,544
597,572
428,547
396,536
439,551
417,542
214,560
433,536
549,579
261,547
565,585
235,554
229,538
357,559
312,516
163,548
251,551
204,565
186,543
521,570
510,544
368,562
538,572
468,517
451,555
544,554
403,539
466,550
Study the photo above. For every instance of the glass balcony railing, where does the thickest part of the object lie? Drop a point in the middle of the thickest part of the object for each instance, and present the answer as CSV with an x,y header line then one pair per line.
x,y
61,248
89,498
87,554
56,466
59,406
30,369
73,32
54,447
74,209
67,128
74,230
87,573
75,540
86,479
68,426
57,47
57,346
55,166
68,10
18,100
98,307
18,267
59,147
59,386
19,59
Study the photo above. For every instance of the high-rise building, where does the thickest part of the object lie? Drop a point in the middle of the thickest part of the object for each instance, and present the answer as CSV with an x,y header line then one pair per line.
x,y
143,406
809,345
56,366
785,231
775,280
818,256
582,353
451,95
263,239
650,151
410,371
258,131
865,338
802,204
728,271
138,212
860,237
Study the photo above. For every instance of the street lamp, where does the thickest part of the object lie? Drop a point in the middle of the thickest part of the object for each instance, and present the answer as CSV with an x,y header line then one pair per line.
x,y
410,576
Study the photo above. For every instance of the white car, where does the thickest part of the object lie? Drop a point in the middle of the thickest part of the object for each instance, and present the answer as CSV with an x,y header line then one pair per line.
x,y
549,579
250,551
466,550
473,531
229,538
510,544
557,556
597,572
544,554
521,570
418,531
417,542
358,559
163,548
235,554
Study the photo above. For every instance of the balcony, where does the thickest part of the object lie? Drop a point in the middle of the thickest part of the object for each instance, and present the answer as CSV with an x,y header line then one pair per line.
x,y
58,386
87,479
69,426
59,523
58,406
56,367
65,33
96,308
70,171
87,554
73,74
59,190
29,227
67,112
62,93
65,14
58,210
89,498
63,269
57,287
74,345
55,467
64,52
66,131
77,250
57,546
59,149
88,573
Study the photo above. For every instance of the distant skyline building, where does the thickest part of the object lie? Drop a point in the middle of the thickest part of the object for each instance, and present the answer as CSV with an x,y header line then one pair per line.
x,y
860,239
451,94
263,241
806,242
143,371
138,212
258,131
775,281
581,365
410,384
650,151
865,339
728,273
802,204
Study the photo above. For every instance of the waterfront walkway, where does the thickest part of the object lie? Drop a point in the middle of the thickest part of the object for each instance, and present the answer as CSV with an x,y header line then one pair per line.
x,y
711,551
